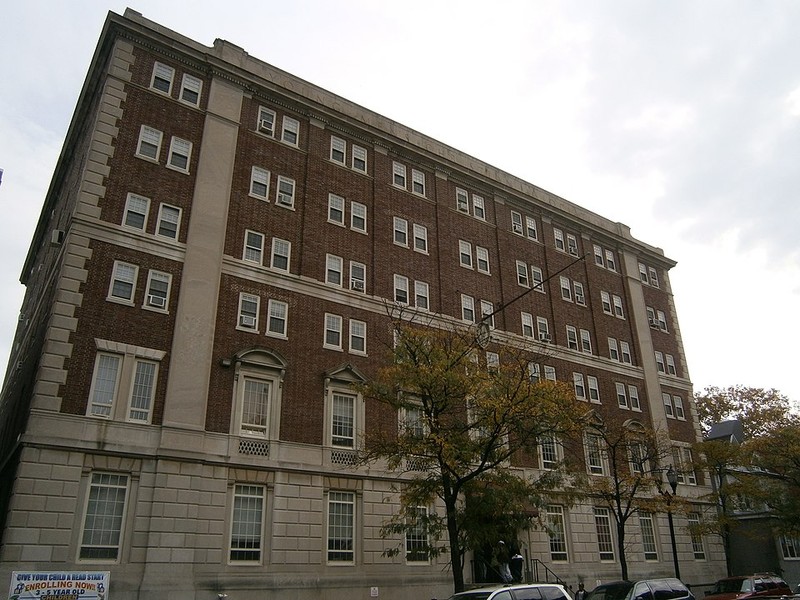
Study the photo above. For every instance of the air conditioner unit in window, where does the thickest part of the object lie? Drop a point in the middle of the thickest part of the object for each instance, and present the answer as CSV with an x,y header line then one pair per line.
x,y
284,199
247,321
573,250
654,323
57,237
156,301
579,299
544,337
265,126
357,286
517,228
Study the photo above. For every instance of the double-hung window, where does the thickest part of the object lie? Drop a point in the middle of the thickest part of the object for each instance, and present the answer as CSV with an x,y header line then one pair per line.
x,y
400,231
549,452
516,223
290,134
285,193
169,219
259,183
104,384
157,292
648,536
281,254
277,314
598,256
572,337
543,328
418,182
248,312
253,246
613,349
527,325
633,394
625,352
462,200
123,282
468,308
333,270
399,175
136,210
558,237
482,259
522,274
605,301
333,332
163,76
537,279
149,145
566,289
611,263
420,238
341,527
557,533
358,337
622,396
343,412
104,517
335,209
605,542
660,362
618,312
580,386
191,88
530,228
338,150
465,254
180,153
594,389
358,276
670,364
358,217
422,295
417,536
697,539
677,403
401,289
595,460
668,409
359,158
478,207
247,523
266,121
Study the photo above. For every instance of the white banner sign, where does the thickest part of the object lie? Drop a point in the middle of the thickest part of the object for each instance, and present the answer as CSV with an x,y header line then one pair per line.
x,y
59,585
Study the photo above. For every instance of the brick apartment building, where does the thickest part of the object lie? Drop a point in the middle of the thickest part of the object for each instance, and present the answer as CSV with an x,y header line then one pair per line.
x,y
210,274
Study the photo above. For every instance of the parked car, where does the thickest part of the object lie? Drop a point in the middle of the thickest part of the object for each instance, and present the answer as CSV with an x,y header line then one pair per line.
x,y
648,589
533,591
758,585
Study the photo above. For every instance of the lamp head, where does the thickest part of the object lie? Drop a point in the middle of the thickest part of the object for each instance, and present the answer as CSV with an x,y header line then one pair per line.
x,y
672,478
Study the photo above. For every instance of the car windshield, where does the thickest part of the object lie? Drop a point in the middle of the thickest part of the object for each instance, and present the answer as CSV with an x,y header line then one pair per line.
x,y
476,595
611,591
727,586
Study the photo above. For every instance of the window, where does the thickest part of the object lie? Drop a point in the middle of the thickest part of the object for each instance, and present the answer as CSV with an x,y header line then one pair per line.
x,y
418,182
684,465
572,337
602,523
358,337
618,312
285,195
662,320
790,547
611,264
482,259
549,373
516,223
478,207
266,121
660,362
401,289
468,308
149,145
169,218
248,311
255,407
253,246
333,332
191,87
465,254
180,152
580,298
421,295
123,282
595,459
580,387
572,244
543,328
277,313
333,270
648,536
642,273
534,372
670,364
281,253
399,175
633,394
359,160
343,420
651,317
162,78
668,405
605,300
558,237
697,539
144,379
487,312
157,292
492,361
622,397
341,527
247,523
677,403
522,274
557,533
104,384
358,276
291,131
653,277
586,341
259,183
400,232
637,458
566,289
538,279
613,351
594,389
527,325
358,217
530,228
416,535
338,149
462,200
598,256
335,209
101,538
549,452
136,210
625,351
420,238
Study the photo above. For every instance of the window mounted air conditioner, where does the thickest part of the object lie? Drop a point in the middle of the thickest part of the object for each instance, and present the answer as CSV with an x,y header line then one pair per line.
x,y
57,237
157,301
544,337
573,250
265,126
247,321
357,286
284,199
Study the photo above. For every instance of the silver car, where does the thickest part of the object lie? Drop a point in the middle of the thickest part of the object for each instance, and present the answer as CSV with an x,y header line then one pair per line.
x,y
533,591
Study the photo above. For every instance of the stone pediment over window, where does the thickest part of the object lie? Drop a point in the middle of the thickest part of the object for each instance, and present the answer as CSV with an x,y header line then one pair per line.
x,y
345,373
259,359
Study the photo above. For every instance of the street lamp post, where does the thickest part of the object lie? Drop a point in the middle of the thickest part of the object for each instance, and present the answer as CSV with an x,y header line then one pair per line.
x,y
672,479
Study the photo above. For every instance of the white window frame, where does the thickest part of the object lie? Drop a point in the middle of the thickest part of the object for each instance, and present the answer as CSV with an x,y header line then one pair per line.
x,y
618,310
462,201
596,463
277,313
334,270
611,263
420,238
482,259
277,254
677,405
338,150
401,289
605,534
580,386
551,452
622,395
341,517
670,360
290,131
572,244
149,137
522,274
358,276
416,538
259,177
660,366
580,297
358,217
246,318
566,288
625,352
661,317
418,182
248,509
598,256
154,297
549,373
593,387
648,532
180,150
285,192
586,341
104,491
251,251
531,230
543,329
139,207
668,409
537,279
399,179
653,277
358,337
422,295
478,207
468,308
465,254
400,227
698,547
527,325
605,302
633,396
613,349
166,218
557,533
332,330
572,338
558,238
336,209
124,274
516,223
266,121
358,160
192,85
165,73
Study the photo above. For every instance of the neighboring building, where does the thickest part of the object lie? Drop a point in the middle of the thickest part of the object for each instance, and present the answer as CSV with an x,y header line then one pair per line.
x,y
210,274
753,546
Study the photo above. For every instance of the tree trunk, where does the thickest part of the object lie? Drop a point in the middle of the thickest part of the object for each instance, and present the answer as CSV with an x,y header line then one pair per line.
x,y
623,561
456,558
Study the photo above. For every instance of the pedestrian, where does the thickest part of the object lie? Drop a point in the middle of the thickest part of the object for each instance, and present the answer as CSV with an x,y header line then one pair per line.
x,y
503,557
581,593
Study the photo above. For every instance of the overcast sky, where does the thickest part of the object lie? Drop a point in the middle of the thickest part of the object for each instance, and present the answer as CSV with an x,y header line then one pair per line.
x,y
680,119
